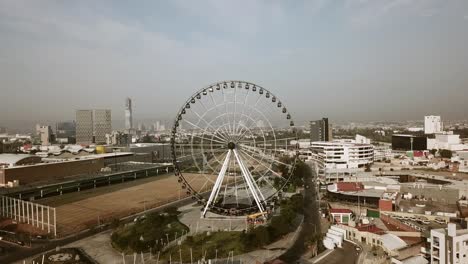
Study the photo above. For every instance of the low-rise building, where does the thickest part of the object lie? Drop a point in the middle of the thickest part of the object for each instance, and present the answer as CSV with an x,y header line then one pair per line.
x,y
446,140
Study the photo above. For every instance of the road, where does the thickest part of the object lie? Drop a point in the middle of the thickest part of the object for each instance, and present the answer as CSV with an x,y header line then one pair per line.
x,y
311,223
345,255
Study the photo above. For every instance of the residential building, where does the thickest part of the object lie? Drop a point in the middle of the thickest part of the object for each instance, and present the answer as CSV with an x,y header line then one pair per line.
x,y
118,139
92,126
45,134
342,155
449,245
128,114
432,125
320,130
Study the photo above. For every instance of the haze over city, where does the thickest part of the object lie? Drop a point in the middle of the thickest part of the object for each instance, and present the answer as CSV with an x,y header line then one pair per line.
x,y
349,60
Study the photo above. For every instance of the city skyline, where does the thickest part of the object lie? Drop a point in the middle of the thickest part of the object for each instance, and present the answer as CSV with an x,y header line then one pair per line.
x,y
348,60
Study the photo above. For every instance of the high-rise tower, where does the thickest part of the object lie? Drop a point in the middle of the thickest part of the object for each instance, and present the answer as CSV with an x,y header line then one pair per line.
x,y
128,114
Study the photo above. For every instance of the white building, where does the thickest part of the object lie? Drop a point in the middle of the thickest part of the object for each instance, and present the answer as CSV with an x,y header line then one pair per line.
x,y
446,140
382,152
432,124
45,134
362,139
449,246
301,143
462,158
342,155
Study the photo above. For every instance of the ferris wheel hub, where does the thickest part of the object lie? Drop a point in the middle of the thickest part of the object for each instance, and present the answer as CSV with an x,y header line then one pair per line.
x,y
231,145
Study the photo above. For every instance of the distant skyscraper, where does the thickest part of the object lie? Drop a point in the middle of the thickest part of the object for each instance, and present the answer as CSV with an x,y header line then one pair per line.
x,y
102,125
432,124
320,130
158,126
92,126
84,127
128,114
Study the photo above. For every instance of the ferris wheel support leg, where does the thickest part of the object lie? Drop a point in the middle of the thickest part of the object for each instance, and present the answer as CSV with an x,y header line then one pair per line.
x,y
249,182
218,183
260,194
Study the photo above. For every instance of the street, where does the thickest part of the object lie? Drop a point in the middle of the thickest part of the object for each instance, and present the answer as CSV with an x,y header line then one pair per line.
x,y
345,255
311,223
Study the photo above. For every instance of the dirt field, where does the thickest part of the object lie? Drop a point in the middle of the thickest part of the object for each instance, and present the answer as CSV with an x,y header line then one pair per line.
x,y
104,205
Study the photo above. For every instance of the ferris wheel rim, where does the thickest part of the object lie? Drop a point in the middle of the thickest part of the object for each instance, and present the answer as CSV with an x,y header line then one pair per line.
x,y
178,171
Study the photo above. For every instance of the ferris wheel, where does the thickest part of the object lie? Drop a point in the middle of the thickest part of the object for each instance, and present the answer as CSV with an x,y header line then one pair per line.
x,y
231,148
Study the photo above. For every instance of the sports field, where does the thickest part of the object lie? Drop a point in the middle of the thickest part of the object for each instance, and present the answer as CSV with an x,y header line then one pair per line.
x,y
82,210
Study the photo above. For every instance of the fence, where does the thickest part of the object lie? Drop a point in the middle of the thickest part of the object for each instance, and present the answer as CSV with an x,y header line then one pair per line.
x,y
34,214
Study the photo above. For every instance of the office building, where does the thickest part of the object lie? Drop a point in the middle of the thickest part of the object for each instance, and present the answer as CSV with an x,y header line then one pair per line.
x,y
320,130
84,127
128,114
342,155
432,125
92,126
408,142
102,125
65,132
449,245
45,134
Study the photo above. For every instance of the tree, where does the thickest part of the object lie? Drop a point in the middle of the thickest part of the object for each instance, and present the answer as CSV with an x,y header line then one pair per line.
x,y
445,153
262,237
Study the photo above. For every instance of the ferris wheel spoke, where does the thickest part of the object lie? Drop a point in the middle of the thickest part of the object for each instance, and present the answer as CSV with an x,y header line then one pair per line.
x,y
252,124
265,166
220,114
234,115
253,153
226,111
255,105
208,139
243,108
192,124
283,142
206,122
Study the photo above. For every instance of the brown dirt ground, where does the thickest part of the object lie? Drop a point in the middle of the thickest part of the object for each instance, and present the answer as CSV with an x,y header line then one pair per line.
x,y
85,213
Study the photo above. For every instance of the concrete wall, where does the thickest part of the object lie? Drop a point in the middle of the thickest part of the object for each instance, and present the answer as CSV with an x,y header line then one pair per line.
x,y
50,171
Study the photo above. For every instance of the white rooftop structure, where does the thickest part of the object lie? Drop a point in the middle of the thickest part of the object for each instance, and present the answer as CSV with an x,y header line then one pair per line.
x,y
12,160
392,242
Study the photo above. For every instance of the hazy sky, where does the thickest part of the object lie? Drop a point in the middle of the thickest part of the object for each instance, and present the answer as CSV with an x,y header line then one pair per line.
x,y
348,60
